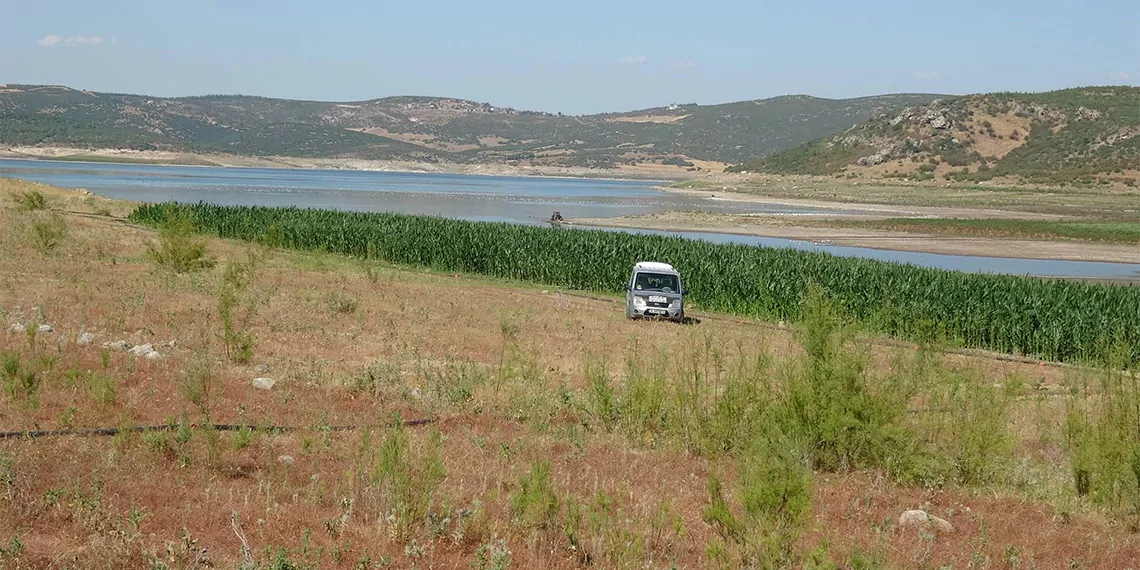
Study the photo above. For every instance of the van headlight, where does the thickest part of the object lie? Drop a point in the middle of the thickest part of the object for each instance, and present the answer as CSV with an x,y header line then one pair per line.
x,y
676,304
639,301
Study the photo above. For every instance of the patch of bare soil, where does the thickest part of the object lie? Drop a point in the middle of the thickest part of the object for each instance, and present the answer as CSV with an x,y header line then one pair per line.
x,y
664,119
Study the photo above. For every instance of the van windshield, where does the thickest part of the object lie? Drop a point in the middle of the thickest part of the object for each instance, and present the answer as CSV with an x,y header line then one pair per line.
x,y
662,282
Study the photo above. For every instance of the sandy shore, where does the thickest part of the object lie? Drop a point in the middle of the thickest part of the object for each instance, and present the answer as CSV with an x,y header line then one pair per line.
x,y
786,227
126,156
863,210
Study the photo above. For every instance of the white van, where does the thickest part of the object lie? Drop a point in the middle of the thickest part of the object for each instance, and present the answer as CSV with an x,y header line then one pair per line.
x,y
654,290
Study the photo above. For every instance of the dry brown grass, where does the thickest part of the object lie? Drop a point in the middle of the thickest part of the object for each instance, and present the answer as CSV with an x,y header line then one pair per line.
x,y
72,497
1003,141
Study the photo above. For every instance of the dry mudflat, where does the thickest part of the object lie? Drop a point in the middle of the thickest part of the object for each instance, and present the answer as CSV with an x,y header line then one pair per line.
x,y
815,229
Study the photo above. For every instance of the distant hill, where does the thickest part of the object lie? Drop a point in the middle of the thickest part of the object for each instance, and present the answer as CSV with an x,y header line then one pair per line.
x,y
1086,135
427,129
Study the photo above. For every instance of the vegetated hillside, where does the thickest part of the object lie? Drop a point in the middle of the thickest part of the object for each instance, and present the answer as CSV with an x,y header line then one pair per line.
x,y
425,128
1083,135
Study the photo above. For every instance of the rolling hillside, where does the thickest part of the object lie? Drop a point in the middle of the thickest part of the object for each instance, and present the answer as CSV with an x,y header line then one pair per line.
x,y
426,129
1085,135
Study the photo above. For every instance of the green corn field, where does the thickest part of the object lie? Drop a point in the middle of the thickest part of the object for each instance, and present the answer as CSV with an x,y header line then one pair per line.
x,y
1051,319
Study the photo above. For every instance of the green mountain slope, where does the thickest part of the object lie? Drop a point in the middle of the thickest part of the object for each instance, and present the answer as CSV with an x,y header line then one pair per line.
x,y
1083,135
425,128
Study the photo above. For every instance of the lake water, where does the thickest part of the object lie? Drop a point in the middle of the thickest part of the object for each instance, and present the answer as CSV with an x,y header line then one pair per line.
x,y
526,200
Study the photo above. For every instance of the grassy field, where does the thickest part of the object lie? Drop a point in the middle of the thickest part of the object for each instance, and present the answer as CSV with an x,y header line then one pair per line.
x,y
562,435
1120,232
1100,204
185,161
1054,319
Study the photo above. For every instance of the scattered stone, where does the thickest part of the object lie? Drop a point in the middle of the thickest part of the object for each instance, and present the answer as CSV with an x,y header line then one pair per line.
x,y
117,345
918,517
285,459
142,349
264,383
153,355
171,344
262,369
85,339
16,328
1086,114
45,329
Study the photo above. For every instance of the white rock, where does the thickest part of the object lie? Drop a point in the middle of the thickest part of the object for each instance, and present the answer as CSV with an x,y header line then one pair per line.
x,y
16,328
45,329
152,355
117,345
142,349
264,383
85,339
918,517
285,459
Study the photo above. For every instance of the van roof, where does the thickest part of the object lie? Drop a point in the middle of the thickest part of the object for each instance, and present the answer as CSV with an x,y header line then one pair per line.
x,y
653,266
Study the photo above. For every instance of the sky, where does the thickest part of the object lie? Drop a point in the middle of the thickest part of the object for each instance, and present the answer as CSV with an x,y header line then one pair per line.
x,y
572,57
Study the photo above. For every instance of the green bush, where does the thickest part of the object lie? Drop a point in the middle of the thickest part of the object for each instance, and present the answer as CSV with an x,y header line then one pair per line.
x,y
178,249
48,232
843,416
409,478
534,503
1103,436
20,382
30,201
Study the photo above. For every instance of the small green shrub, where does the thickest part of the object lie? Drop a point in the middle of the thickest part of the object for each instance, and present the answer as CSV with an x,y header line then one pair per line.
x,y
30,201
237,306
341,304
1102,435
48,233
409,480
601,398
535,503
846,418
103,387
243,438
198,386
492,555
178,249
20,382
967,427
775,499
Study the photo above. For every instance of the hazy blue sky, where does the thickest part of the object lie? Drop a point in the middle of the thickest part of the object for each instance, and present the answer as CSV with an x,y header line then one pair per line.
x,y
574,57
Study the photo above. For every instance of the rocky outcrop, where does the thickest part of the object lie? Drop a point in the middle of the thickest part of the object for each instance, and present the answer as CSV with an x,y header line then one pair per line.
x,y
1086,114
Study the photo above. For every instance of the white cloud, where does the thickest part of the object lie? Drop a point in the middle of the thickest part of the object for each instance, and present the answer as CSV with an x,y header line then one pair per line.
x,y
632,60
73,41
927,75
1120,77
